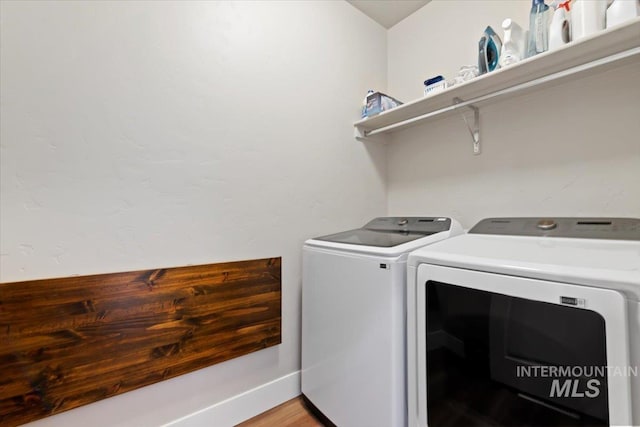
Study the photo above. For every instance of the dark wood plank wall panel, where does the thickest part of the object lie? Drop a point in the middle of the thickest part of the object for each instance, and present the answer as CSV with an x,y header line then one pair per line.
x,y
72,341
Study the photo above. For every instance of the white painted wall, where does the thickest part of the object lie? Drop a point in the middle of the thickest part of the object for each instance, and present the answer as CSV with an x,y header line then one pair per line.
x,y
153,134
571,150
146,134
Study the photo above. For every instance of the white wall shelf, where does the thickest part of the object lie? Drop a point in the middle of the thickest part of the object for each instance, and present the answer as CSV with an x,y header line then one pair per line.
x,y
608,49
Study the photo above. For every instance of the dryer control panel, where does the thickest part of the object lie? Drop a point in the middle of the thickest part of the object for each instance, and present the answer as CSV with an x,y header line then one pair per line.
x,y
586,228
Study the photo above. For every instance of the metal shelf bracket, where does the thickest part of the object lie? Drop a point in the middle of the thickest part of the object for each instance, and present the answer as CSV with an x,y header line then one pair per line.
x,y
475,129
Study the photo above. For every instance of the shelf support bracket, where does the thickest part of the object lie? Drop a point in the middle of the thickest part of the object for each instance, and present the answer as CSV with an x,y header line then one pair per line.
x,y
475,129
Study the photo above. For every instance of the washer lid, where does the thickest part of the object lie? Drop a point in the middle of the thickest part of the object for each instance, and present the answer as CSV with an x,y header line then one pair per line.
x,y
386,232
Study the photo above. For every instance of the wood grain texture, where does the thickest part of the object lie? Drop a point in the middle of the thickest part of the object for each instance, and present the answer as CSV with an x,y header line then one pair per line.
x,y
72,341
292,413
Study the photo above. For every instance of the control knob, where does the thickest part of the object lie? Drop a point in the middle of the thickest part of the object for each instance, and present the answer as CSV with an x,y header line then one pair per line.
x,y
546,224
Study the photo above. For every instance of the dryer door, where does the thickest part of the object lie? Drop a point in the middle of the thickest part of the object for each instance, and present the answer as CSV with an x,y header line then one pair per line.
x,y
511,351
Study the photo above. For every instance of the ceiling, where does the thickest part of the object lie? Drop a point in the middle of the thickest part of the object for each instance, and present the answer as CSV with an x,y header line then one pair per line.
x,y
388,12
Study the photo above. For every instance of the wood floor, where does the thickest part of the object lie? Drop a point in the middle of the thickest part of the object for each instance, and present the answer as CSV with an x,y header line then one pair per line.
x,y
292,413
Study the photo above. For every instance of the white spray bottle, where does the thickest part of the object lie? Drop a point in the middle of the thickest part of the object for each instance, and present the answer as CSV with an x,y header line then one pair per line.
x,y
559,32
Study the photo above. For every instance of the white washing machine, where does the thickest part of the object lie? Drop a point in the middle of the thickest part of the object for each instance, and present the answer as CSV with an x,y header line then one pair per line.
x,y
353,319
526,322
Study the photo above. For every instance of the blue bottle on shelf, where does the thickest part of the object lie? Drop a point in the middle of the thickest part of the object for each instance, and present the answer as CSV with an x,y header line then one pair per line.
x,y
538,28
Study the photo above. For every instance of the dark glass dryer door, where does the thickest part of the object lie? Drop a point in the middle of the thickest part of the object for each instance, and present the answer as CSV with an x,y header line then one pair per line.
x,y
499,360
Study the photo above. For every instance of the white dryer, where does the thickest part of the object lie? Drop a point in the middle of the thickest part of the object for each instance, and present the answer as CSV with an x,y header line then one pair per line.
x,y
526,322
353,319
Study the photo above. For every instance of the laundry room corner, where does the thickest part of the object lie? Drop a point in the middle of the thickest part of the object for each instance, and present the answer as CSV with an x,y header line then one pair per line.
x,y
567,149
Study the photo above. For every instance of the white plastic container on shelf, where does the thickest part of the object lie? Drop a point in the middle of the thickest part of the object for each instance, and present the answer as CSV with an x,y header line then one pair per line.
x,y
560,30
587,17
621,11
435,84
514,48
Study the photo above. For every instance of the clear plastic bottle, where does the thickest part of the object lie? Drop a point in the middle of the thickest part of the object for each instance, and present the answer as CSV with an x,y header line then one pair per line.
x,y
538,28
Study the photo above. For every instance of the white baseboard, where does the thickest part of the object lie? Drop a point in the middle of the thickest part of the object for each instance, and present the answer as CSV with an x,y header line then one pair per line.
x,y
243,406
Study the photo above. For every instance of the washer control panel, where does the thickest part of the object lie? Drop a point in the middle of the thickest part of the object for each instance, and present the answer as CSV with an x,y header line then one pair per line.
x,y
409,224
587,228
